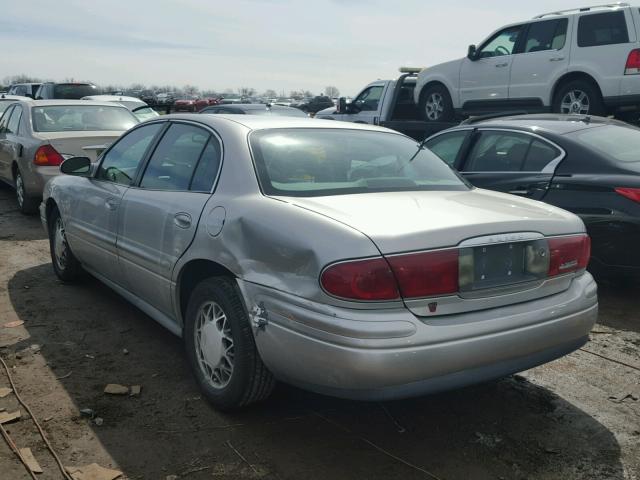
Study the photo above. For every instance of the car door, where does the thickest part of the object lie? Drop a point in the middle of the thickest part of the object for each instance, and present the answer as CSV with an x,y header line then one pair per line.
x,y
5,150
160,214
484,80
544,58
365,107
513,162
92,223
449,146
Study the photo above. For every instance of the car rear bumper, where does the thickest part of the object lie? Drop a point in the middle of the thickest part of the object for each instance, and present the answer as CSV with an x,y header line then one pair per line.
x,y
37,178
386,354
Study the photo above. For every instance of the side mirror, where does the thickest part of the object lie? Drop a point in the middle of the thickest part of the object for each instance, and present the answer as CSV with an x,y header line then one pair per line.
x,y
342,105
472,53
78,166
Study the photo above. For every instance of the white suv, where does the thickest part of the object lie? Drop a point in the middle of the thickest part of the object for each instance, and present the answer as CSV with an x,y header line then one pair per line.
x,y
574,61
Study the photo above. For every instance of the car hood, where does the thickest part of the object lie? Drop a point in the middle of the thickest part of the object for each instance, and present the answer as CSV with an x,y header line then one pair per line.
x,y
327,111
409,221
74,143
446,66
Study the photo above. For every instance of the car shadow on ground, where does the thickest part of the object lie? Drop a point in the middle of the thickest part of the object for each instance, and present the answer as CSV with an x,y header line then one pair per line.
x,y
616,300
31,227
505,429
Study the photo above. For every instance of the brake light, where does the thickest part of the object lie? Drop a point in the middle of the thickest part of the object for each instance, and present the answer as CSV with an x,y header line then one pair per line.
x,y
47,156
426,274
633,63
568,254
630,193
369,279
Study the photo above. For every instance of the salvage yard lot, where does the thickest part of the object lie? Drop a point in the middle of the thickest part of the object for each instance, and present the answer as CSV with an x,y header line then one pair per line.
x,y
575,418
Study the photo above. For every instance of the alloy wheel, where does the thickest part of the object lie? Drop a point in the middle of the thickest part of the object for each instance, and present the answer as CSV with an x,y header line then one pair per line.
x,y
214,344
575,101
434,107
19,190
60,247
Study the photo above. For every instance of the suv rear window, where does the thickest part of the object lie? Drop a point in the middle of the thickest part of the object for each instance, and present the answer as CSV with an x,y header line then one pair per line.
x,y
602,29
73,91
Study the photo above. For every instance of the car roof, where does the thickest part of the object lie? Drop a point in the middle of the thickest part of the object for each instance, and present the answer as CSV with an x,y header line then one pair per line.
x,y
112,98
4,96
262,122
254,106
553,123
62,102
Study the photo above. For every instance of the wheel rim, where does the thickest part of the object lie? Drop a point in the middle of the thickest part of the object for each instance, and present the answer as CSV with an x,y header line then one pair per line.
x,y
434,107
575,101
60,247
214,344
19,189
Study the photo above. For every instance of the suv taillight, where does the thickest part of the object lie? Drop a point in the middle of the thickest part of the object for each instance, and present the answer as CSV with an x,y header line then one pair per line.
x,y
630,193
633,63
47,156
568,254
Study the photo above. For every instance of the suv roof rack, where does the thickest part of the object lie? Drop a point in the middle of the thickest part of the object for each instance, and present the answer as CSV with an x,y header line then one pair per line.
x,y
489,116
584,9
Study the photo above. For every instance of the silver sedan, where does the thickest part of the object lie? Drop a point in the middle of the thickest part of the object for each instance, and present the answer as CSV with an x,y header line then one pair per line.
x,y
36,136
342,258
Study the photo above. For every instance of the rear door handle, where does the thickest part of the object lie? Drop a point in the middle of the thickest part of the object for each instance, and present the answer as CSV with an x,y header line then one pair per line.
x,y
519,192
501,65
182,220
556,59
111,203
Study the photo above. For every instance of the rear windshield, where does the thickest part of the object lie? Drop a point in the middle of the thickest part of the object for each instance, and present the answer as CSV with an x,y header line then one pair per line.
x,y
81,118
317,162
73,91
621,144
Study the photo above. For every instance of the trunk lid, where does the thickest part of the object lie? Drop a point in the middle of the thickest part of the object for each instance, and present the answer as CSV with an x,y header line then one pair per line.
x,y
74,143
410,221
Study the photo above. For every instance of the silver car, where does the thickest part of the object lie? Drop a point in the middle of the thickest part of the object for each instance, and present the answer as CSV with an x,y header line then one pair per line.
x,y
36,136
342,258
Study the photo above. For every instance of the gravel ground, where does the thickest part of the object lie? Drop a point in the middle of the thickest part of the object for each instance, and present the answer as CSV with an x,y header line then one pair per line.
x,y
575,418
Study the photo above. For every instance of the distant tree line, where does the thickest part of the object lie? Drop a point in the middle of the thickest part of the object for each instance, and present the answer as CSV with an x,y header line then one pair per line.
x,y
329,91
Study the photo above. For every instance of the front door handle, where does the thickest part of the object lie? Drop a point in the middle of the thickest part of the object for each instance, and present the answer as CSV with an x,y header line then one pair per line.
x,y
501,65
182,220
111,203
556,59
519,192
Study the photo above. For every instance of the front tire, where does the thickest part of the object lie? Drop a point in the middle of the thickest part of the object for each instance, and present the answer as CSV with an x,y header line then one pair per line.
x,y
27,205
436,104
579,97
65,265
221,348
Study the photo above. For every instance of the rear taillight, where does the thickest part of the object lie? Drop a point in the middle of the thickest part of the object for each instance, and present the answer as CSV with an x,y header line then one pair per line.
x,y
426,274
369,279
630,193
568,254
47,156
633,63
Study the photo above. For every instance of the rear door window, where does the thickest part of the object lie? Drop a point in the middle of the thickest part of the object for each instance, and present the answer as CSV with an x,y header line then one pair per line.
x,y
14,122
447,146
5,119
175,159
546,35
602,29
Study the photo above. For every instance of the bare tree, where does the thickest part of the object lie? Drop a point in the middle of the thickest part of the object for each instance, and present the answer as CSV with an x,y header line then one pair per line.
x,y
247,91
270,93
190,89
331,91
22,78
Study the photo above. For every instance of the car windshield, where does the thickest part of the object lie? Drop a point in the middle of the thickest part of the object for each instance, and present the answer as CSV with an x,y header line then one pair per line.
x,y
73,91
61,118
145,113
621,144
318,162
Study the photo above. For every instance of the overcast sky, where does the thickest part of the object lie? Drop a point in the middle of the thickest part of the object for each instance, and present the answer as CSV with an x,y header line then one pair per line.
x,y
279,44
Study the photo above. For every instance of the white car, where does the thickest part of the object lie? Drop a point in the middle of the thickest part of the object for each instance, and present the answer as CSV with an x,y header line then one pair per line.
x,y
584,61
139,108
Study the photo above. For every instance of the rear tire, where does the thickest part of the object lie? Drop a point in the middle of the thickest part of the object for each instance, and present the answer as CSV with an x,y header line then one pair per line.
x,y
436,105
27,205
221,348
579,97
65,265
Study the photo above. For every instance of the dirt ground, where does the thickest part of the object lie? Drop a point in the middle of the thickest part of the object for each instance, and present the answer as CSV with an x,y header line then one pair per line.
x,y
575,418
